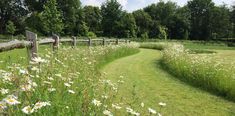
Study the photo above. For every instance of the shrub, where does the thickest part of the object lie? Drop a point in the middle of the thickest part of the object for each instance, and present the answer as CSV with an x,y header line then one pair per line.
x,y
152,45
91,34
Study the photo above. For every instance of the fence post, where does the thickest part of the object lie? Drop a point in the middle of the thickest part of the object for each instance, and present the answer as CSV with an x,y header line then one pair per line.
x,y
33,48
89,41
56,42
103,42
117,42
74,43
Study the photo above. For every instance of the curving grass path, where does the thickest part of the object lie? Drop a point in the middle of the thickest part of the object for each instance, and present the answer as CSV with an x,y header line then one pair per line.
x,y
154,85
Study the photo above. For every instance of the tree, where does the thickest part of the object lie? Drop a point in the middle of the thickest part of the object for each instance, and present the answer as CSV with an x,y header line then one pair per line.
x,y
179,24
143,21
93,18
201,11
127,26
163,32
233,20
13,10
34,23
161,11
35,5
10,28
169,15
111,12
73,17
220,21
52,18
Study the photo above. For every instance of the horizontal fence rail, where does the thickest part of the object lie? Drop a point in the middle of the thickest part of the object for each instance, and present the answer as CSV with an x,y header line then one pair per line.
x,y
13,45
32,43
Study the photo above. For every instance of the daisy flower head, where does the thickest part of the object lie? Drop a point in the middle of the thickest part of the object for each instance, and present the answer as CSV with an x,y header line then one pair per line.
x,y
152,111
96,102
162,104
67,84
4,91
142,104
116,106
11,100
37,60
71,91
39,105
27,110
107,113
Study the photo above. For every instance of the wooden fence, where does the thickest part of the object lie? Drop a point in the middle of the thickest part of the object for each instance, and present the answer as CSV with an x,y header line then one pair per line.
x,y
32,43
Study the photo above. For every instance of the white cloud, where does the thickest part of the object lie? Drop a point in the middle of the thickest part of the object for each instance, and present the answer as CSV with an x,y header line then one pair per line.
x,y
131,5
99,2
92,2
123,3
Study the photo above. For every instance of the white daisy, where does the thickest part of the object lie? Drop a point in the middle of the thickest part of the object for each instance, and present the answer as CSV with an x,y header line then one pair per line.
x,y
96,102
4,91
51,89
71,91
162,104
39,105
67,84
27,110
142,104
11,100
152,111
116,106
107,113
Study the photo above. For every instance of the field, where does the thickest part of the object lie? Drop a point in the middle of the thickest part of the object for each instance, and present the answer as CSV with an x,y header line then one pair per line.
x,y
165,79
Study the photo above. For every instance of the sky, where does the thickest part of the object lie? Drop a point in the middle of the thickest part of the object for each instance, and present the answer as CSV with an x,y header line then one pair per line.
x,y
132,5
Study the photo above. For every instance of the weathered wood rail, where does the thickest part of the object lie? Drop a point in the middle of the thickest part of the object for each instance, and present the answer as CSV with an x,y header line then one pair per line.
x,y
32,43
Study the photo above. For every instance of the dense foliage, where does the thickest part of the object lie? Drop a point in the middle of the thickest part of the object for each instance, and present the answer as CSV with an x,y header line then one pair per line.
x,y
199,19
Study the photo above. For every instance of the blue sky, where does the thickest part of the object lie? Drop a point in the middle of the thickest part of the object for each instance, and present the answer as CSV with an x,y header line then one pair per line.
x,y
131,5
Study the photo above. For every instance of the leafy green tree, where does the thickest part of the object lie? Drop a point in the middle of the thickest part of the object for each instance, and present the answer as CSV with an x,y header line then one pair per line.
x,y
178,25
163,32
72,15
13,10
168,14
82,29
127,26
233,20
161,11
52,19
144,36
111,12
34,23
10,28
220,22
143,21
35,5
201,11
93,18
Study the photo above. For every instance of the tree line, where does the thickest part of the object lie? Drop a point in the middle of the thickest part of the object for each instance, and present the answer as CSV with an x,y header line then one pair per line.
x,y
197,20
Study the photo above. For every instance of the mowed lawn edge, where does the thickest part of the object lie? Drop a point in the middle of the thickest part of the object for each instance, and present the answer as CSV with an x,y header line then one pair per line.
x,y
156,85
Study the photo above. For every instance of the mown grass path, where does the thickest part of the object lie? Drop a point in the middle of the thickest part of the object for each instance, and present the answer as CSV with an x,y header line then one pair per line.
x,y
155,85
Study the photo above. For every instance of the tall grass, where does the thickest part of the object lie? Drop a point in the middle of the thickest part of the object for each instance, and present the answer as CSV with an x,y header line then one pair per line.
x,y
200,70
152,45
66,82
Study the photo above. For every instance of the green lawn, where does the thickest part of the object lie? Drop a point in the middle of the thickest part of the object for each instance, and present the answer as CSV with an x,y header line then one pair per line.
x,y
192,45
155,85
